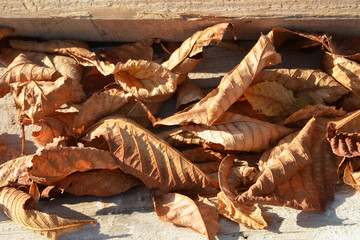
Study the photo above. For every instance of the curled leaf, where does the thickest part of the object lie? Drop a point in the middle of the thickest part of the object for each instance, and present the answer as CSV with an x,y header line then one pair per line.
x,y
312,85
5,31
350,177
231,87
15,204
240,133
247,214
182,59
203,155
35,100
199,215
146,80
147,157
344,137
7,154
76,49
345,71
102,183
53,164
188,93
99,105
15,171
272,99
24,70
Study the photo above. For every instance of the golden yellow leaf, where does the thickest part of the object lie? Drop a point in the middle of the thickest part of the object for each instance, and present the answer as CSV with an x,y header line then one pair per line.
x,y
312,85
15,204
273,99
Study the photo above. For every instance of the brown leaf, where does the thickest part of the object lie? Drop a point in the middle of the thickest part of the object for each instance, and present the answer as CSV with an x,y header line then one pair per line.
x,y
8,55
231,87
300,172
199,215
310,111
183,60
350,177
99,105
247,214
76,49
24,70
7,154
273,99
35,100
344,137
53,164
15,204
136,112
5,31
188,93
350,102
203,155
146,80
147,157
136,51
345,71
35,194
312,85
245,108
53,126
102,183
15,171
347,47
240,133
178,137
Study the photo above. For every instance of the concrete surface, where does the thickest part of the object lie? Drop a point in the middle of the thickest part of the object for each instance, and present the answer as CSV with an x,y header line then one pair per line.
x,y
131,215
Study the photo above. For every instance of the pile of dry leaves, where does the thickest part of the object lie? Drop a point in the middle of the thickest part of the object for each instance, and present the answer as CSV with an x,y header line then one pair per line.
x,y
297,126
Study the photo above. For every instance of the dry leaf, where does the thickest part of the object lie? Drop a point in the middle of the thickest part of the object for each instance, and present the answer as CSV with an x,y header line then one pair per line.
x,y
7,154
350,177
53,126
345,71
312,85
138,112
146,80
272,99
310,111
247,214
231,87
15,171
240,133
5,31
183,60
136,51
8,55
343,135
102,183
178,137
147,157
76,49
203,155
35,100
15,204
199,215
99,105
35,194
188,93
24,70
245,108
300,172
53,164
347,47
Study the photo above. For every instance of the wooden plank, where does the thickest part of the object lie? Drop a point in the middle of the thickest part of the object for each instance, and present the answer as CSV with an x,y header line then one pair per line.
x,y
131,20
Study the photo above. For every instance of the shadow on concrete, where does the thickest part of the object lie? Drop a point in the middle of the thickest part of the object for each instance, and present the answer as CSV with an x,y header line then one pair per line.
x,y
272,219
229,230
315,219
14,141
